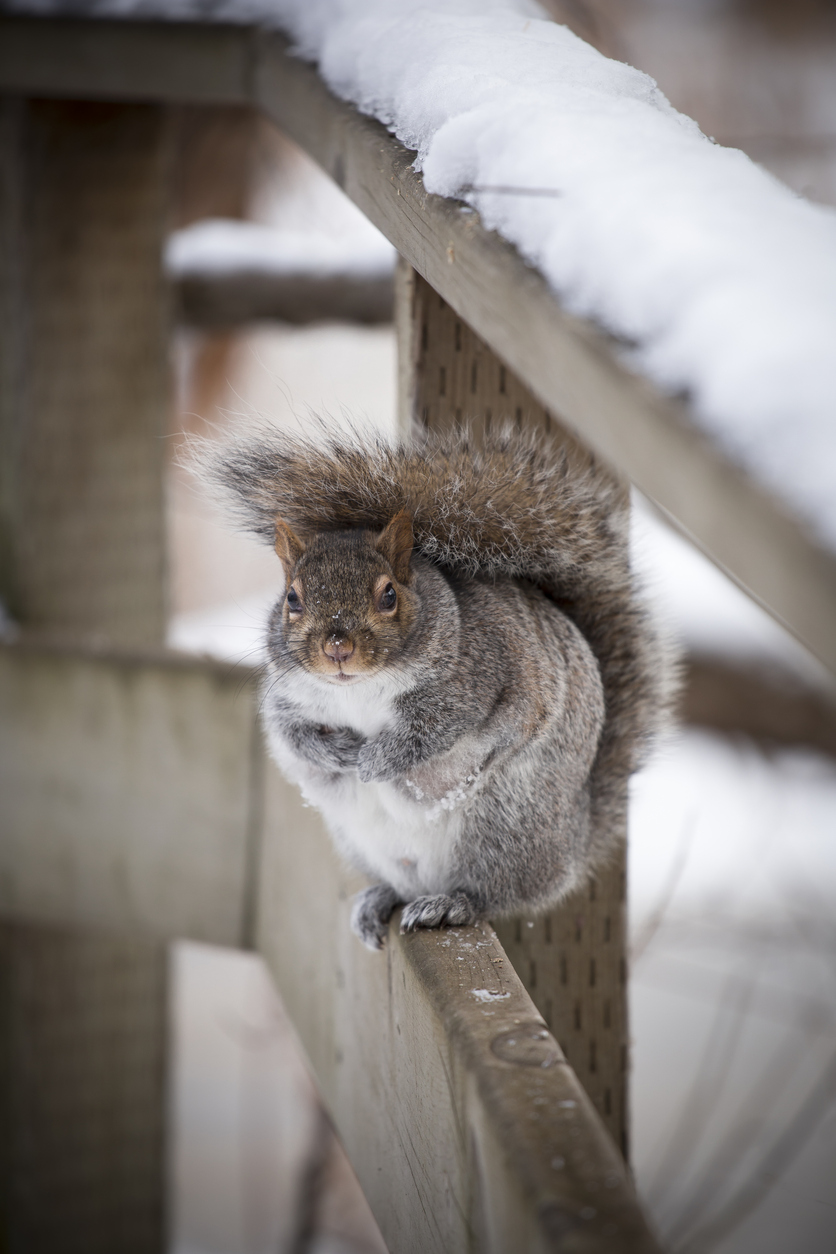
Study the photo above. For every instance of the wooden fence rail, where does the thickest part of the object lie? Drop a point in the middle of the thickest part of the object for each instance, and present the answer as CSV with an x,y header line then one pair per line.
x,y
137,800
213,302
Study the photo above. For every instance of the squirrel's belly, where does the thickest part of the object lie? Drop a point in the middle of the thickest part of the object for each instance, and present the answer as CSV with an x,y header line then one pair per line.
x,y
394,839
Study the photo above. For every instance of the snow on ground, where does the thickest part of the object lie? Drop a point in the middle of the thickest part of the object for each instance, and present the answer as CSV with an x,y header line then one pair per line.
x,y
732,898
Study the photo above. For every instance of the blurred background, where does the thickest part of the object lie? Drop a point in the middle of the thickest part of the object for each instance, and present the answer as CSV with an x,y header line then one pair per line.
x,y
283,295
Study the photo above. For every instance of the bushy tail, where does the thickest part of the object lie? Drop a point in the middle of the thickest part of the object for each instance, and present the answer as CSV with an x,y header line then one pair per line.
x,y
505,505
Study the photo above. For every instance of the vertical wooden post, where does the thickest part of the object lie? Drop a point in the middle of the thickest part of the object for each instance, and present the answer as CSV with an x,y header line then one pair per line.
x,y
572,960
83,370
82,1092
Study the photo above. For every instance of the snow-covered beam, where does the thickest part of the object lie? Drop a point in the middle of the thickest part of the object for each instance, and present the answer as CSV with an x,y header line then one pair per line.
x,y
226,273
568,363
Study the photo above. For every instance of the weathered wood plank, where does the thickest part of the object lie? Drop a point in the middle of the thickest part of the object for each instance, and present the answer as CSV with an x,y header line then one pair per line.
x,y
82,1092
85,369
136,798
212,301
466,1127
128,793
759,699
573,961
127,60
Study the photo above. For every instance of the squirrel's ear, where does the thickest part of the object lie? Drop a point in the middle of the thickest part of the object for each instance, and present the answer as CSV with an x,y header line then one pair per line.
x,y
288,547
395,543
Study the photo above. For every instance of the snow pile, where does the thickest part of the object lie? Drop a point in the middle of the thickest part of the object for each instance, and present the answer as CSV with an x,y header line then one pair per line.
x,y
219,246
729,831
720,280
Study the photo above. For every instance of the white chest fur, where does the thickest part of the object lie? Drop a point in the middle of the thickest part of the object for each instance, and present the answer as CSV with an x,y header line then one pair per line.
x,y
392,838
366,707
407,840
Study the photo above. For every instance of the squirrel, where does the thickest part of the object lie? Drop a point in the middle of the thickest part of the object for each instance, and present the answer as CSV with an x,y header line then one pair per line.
x,y
461,674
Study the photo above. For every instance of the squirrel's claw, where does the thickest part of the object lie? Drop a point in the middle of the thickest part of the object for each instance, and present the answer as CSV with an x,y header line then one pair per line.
x,y
370,914
438,911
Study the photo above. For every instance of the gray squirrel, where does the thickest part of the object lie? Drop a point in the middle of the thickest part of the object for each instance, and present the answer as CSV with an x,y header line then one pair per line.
x,y
461,674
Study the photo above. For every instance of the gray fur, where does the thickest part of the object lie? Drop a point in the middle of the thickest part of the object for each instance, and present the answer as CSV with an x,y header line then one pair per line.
x,y
527,680
370,914
439,911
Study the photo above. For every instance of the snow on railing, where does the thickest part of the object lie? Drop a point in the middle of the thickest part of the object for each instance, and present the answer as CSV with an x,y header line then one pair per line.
x,y
692,267
718,281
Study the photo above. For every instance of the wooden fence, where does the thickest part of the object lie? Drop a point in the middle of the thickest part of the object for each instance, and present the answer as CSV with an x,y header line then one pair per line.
x,y
480,1088
138,803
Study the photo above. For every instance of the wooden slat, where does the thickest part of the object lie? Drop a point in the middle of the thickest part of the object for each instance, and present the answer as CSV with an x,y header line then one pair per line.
x,y
82,1092
758,699
128,793
84,384
212,301
568,364
96,59
573,961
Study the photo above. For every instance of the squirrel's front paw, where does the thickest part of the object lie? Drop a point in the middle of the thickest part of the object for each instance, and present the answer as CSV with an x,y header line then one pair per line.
x,y
341,747
372,764
440,911
371,913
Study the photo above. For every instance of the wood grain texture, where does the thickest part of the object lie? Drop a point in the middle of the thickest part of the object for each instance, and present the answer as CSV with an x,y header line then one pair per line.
x,y
573,960
130,793
86,377
82,1092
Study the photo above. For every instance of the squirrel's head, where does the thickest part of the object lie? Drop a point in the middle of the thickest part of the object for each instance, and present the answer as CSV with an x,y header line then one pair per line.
x,y
348,606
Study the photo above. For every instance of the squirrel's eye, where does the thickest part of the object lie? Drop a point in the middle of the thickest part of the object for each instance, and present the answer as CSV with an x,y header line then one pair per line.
x,y
388,598
293,601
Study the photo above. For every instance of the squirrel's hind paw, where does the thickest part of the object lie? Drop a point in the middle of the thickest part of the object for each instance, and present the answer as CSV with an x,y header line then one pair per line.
x,y
371,913
440,911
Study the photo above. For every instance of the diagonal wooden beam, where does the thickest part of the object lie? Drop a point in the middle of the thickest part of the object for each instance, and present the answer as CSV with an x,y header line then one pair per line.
x,y
570,365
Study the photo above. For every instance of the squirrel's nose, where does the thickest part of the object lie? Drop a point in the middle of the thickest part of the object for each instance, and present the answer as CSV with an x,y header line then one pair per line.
x,y
338,648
